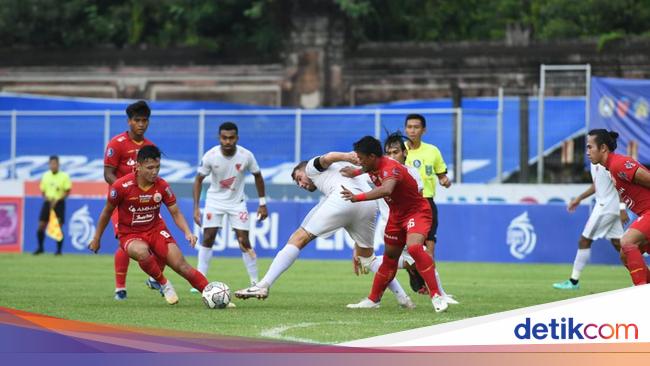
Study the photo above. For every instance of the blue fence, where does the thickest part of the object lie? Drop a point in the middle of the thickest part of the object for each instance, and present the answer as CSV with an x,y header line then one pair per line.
x,y
271,133
514,233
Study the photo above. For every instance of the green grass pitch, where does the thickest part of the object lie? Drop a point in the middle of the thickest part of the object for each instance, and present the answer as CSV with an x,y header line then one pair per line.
x,y
306,304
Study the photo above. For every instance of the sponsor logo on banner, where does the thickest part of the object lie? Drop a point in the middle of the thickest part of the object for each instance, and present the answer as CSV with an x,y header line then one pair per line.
x,y
8,223
521,236
622,107
81,228
641,109
569,329
606,106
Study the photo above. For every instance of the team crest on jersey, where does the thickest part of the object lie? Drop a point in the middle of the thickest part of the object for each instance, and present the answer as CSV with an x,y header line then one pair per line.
x,y
417,163
629,165
157,197
428,170
209,215
109,152
622,175
238,167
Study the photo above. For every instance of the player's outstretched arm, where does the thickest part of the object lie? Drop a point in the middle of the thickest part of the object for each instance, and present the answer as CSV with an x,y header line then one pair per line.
x,y
180,222
196,196
379,192
104,217
576,201
642,178
262,211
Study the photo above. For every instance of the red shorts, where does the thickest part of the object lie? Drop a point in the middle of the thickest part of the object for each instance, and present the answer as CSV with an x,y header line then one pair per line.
x,y
418,222
157,239
642,223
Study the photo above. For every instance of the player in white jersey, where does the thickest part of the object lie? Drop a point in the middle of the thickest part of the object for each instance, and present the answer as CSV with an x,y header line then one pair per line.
x,y
331,214
606,221
227,164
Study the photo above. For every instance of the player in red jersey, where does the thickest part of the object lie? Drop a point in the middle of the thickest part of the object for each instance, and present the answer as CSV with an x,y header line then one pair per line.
x,y
632,181
120,160
409,220
141,232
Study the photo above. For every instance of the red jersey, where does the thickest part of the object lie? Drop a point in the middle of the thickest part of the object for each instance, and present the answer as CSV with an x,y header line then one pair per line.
x,y
622,169
121,153
138,210
406,198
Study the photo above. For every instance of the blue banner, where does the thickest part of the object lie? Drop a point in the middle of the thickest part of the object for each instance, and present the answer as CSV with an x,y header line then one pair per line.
x,y
622,105
514,233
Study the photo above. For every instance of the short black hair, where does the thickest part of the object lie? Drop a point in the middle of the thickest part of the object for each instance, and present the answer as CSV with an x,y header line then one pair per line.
x,y
54,157
368,145
604,137
419,117
138,109
395,138
301,166
148,152
228,126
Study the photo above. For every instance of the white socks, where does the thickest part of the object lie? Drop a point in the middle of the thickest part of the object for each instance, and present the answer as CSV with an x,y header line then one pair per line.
x,y
205,255
394,284
250,262
582,258
282,261
440,289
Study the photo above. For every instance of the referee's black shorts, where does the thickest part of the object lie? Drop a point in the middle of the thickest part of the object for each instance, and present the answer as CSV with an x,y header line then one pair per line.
x,y
59,210
434,220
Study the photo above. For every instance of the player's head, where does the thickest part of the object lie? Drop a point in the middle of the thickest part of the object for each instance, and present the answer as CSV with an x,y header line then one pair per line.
x,y
300,177
138,113
368,151
54,163
148,162
395,148
228,137
600,142
415,126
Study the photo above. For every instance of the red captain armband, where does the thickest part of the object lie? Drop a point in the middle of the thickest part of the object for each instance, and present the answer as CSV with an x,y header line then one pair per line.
x,y
360,196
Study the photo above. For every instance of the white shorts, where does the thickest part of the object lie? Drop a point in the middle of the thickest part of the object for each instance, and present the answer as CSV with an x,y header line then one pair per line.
x,y
603,225
334,213
237,215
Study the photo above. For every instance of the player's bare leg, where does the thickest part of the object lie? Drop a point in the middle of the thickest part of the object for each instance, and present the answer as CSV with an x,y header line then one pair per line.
x,y
368,261
282,261
631,255
140,251
248,255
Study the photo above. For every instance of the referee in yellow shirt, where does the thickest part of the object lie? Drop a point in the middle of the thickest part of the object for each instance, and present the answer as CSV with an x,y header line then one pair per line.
x,y
55,187
427,159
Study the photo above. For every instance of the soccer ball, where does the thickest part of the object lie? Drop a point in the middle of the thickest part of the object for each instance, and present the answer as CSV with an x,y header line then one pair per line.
x,y
216,295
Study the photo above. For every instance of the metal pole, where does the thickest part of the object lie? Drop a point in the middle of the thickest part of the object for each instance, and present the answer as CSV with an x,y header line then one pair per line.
x,y
13,144
201,145
588,98
459,146
500,137
378,124
298,136
107,128
540,125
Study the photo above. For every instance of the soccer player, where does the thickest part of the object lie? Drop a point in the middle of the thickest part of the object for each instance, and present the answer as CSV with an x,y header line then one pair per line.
x,y
55,187
606,221
142,233
120,160
226,164
427,159
331,214
632,181
409,220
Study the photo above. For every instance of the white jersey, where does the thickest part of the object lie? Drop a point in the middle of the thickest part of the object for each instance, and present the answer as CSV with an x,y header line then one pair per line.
x,y
606,195
330,180
227,175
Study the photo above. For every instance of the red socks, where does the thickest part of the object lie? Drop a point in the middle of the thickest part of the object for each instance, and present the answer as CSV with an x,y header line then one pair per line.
x,y
635,264
121,267
196,279
425,266
150,267
384,275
